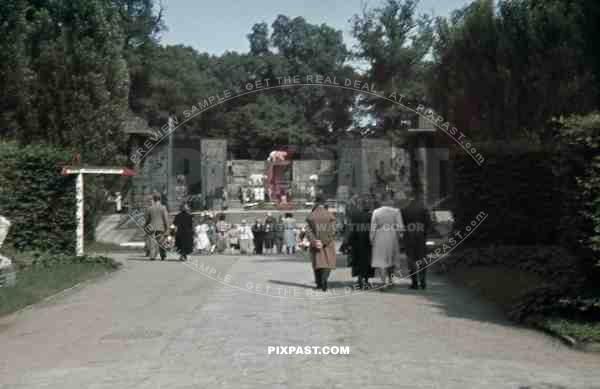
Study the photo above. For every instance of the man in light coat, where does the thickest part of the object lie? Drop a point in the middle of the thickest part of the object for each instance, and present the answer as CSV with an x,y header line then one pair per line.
x,y
386,239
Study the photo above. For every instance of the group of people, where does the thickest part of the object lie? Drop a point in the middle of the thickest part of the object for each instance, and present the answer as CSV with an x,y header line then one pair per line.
x,y
380,238
276,193
213,234
384,236
264,236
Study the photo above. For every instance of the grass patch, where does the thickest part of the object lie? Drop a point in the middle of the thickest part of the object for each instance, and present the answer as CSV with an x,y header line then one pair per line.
x,y
505,286
50,275
101,247
576,328
498,284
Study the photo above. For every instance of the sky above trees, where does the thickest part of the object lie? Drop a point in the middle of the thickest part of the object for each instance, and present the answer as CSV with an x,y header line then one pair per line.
x,y
223,26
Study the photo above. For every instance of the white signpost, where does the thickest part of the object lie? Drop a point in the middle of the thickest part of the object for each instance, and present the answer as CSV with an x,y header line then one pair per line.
x,y
80,171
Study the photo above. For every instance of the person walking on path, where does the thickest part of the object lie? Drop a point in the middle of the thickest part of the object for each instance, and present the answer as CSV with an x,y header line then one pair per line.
x,y
269,233
221,229
157,221
224,199
201,241
289,233
320,231
279,230
163,197
118,202
212,232
359,244
386,236
417,221
184,235
246,238
258,231
233,238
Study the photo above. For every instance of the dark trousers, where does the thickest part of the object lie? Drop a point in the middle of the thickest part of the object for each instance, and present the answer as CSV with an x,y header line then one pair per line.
x,y
321,277
418,274
258,246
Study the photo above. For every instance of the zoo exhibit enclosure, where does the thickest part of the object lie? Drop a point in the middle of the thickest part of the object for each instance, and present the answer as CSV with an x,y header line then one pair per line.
x,y
206,171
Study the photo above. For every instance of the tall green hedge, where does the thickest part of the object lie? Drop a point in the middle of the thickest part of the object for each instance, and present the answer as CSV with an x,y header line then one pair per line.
x,y
517,187
36,198
580,137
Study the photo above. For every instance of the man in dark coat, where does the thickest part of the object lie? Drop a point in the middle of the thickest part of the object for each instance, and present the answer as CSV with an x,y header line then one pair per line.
x,y
258,231
417,223
320,232
184,236
359,243
269,236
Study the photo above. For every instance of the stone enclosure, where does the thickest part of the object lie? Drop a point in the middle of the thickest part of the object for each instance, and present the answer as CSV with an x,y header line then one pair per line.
x,y
206,168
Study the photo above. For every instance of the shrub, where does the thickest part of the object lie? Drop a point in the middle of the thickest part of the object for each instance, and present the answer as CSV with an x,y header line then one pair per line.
x,y
36,198
517,187
49,260
580,136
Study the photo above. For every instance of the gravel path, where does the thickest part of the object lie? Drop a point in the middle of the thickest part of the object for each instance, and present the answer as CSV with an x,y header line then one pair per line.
x,y
164,325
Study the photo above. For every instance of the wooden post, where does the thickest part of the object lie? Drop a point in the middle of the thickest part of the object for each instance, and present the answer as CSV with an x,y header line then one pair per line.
x,y
79,195
79,198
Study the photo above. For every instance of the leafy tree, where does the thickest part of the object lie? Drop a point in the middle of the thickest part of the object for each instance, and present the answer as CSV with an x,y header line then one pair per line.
x,y
15,74
74,78
141,27
505,72
179,77
395,42
259,39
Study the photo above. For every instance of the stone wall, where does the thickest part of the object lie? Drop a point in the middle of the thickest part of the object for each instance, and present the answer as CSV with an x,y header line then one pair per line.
x,y
357,161
214,169
302,170
151,175
241,170
367,163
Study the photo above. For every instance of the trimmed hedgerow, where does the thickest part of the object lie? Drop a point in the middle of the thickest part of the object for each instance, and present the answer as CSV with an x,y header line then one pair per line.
x,y
36,198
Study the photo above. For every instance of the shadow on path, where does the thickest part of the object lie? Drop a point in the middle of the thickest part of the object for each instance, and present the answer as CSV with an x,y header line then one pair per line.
x,y
282,259
456,302
450,300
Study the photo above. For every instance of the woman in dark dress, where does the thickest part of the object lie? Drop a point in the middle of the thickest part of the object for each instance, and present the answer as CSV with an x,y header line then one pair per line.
x,y
359,243
269,236
258,231
184,236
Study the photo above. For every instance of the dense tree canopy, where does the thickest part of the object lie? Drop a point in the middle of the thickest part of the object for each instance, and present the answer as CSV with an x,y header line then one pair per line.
x,y
67,81
69,70
504,71
395,41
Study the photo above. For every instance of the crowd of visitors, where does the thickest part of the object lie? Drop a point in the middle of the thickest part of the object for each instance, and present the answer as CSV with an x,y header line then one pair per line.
x,y
380,236
211,233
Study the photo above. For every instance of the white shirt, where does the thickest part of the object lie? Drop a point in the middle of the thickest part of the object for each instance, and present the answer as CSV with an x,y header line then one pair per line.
x,y
246,232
